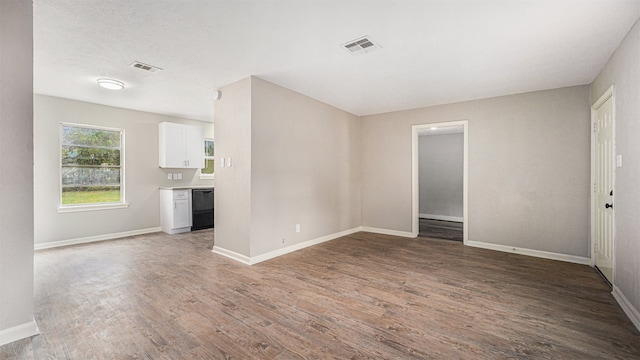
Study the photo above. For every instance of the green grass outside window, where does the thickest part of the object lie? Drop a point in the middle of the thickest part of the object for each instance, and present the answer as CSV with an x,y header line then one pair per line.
x,y
90,197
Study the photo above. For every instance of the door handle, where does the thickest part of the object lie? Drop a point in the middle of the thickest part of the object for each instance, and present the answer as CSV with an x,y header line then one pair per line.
x,y
608,206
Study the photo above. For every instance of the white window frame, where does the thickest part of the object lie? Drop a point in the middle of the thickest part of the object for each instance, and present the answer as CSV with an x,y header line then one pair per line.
x,y
207,176
98,206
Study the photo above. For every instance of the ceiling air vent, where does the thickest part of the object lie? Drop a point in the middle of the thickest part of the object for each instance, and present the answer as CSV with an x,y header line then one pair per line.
x,y
145,67
360,46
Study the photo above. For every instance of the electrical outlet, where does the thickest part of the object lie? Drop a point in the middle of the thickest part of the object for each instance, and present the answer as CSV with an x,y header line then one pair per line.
x,y
175,176
169,176
179,176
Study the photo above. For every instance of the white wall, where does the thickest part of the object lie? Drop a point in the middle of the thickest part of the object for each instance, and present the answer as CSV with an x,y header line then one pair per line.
x,y
440,162
528,168
143,177
623,71
295,161
16,179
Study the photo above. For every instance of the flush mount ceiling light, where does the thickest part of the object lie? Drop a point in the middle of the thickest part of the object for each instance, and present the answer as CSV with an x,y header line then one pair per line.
x,y
111,84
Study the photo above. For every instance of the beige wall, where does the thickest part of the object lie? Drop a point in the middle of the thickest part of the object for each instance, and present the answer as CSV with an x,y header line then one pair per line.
x,y
143,177
305,169
623,71
233,184
528,168
295,161
16,179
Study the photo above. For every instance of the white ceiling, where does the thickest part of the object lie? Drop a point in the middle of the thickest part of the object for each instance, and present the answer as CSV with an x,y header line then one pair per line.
x,y
433,52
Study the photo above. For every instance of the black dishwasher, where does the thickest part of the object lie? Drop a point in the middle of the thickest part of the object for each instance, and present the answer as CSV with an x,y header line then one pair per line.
x,y
202,208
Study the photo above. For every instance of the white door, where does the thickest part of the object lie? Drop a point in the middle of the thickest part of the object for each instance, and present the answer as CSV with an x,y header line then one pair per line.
x,y
604,167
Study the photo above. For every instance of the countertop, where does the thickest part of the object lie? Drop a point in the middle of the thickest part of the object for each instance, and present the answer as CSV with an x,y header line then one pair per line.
x,y
186,187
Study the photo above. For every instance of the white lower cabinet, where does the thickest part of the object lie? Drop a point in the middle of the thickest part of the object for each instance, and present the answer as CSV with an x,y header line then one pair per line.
x,y
175,210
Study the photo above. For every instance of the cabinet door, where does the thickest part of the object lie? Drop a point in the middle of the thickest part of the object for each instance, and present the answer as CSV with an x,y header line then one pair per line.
x,y
194,147
181,212
171,145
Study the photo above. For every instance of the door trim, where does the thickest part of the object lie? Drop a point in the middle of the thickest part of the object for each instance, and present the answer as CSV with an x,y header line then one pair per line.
x,y
415,189
609,93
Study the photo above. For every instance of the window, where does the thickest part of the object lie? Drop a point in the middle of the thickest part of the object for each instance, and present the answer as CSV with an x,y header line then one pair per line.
x,y
207,171
91,170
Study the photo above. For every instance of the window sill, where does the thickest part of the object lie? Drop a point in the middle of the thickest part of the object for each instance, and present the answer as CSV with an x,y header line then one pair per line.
x,y
82,208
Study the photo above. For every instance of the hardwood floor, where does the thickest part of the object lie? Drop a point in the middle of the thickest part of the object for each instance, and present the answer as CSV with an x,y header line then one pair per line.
x,y
363,296
440,229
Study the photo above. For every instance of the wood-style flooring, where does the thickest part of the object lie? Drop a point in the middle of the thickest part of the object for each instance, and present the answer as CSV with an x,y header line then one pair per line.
x,y
440,229
362,296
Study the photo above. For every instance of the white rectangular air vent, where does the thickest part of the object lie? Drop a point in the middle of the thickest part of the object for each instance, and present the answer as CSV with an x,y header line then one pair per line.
x,y
145,67
360,46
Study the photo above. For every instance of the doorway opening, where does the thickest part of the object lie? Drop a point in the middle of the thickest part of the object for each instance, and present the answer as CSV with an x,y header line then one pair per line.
x,y
440,180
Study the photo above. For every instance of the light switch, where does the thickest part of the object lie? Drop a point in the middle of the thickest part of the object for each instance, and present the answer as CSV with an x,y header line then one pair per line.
x,y
169,176
222,162
229,162
619,160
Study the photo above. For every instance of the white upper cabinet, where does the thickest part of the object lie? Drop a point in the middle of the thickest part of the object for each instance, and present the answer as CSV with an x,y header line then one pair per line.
x,y
194,137
181,146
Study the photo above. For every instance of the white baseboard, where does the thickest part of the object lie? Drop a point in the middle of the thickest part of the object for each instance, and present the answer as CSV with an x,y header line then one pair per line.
x,y
302,245
388,232
627,307
441,217
88,239
19,332
279,252
231,255
530,252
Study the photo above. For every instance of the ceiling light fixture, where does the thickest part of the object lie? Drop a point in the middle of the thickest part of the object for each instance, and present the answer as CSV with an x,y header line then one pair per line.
x,y
111,84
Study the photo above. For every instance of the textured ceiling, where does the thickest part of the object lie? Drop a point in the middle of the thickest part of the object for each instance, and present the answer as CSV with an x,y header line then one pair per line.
x,y
433,52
